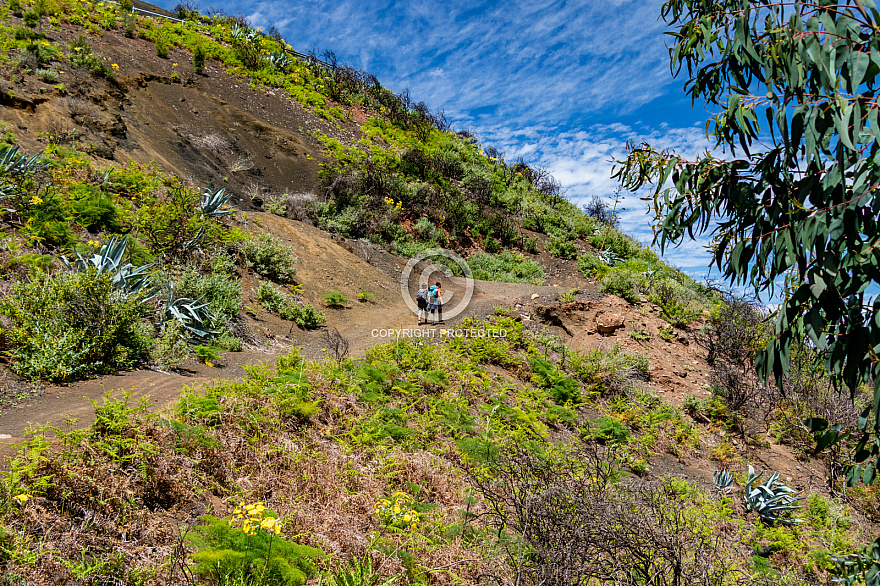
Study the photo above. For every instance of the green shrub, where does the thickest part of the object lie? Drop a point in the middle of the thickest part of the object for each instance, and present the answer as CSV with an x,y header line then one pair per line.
x,y
32,261
129,23
334,299
607,430
69,326
81,55
563,389
170,348
31,18
230,555
161,46
95,212
427,231
309,318
611,372
675,309
198,59
222,293
279,302
562,245
622,283
712,408
47,75
209,354
507,267
171,228
269,257
615,241
230,343
22,33
46,220
590,265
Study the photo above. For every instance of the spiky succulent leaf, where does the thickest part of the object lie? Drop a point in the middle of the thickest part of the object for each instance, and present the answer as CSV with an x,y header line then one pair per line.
x,y
212,202
16,165
770,499
193,314
723,480
609,258
129,279
279,60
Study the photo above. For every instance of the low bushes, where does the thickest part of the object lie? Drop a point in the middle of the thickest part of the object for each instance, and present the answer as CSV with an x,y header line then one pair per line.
x,y
69,326
269,257
506,266
286,306
221,292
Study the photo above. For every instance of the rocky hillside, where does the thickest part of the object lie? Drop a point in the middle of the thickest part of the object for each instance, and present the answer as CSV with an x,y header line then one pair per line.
x,y
211,373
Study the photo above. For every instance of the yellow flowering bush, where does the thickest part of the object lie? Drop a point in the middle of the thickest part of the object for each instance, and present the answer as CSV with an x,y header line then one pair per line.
x,y
22,498
254,517
397,512
250,549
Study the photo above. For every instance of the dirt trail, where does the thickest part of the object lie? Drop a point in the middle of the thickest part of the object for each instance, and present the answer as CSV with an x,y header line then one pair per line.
x,y
325,263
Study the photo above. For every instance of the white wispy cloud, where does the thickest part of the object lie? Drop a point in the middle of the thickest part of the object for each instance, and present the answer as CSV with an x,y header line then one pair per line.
x,y
526,61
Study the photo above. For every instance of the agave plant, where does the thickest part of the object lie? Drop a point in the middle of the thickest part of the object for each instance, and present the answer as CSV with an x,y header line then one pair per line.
x,y
238,33
16,165
212,202
127,278
609,258
279,60
193,314
7,191
243,33
723,480
770,499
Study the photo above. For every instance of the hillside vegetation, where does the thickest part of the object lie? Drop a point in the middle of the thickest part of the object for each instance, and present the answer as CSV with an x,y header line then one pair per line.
x,y
502,456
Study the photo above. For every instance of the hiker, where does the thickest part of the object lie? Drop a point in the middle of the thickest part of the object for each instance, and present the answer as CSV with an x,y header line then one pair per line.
x,y
435,302
422,302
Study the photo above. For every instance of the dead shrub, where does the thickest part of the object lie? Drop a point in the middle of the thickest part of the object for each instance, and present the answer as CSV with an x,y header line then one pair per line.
x,y
569,520
734,334
335,343
213,143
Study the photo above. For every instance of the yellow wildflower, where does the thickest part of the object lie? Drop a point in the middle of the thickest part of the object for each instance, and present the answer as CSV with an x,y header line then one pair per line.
x,y
36,200
22,498
114,66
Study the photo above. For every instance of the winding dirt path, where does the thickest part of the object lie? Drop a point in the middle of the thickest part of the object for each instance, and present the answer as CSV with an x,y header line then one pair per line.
x,y
325,263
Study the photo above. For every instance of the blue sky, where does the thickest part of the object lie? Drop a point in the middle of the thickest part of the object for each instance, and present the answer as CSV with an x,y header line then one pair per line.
x,y
563,84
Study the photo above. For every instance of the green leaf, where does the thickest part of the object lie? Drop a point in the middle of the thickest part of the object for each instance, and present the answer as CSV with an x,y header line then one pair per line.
x,y
870,474
842,125
818,286
816,424
828,438
853,474
858,65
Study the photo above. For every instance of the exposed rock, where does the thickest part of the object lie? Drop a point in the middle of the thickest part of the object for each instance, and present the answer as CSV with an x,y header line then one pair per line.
x,y
609,322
